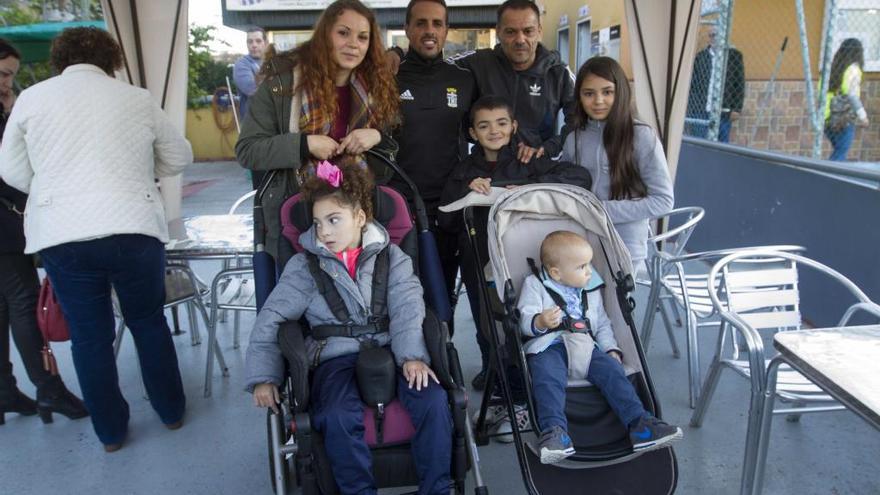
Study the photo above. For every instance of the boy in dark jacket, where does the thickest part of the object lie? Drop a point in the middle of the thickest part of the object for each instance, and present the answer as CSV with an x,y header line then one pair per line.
x,y
493,162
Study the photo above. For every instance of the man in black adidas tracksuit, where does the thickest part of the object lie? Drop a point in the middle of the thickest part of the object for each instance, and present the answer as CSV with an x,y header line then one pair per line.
x,y
533,79
435,98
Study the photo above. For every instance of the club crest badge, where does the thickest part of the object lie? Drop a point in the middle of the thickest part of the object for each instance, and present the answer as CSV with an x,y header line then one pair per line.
x,y
452,97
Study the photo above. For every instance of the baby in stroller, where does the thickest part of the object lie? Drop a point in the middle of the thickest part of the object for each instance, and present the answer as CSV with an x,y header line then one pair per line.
x,y
346,244
570,335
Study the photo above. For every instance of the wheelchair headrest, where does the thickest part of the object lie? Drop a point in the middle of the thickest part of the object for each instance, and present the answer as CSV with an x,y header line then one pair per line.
x,y
389,209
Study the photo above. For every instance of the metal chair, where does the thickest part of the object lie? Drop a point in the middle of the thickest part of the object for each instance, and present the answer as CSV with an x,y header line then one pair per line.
x,y
236,288
689,291
180,284
182,287
673,242
757,291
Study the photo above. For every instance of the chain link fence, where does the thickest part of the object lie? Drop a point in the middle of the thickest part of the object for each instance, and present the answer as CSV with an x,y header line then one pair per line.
x,y
765,74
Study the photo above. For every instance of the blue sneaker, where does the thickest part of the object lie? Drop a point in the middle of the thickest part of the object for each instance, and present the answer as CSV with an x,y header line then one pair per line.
x,y
555,446
650,433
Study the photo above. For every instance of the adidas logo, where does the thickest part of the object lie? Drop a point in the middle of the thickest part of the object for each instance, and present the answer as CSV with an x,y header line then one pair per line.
x,y
535,90
406,95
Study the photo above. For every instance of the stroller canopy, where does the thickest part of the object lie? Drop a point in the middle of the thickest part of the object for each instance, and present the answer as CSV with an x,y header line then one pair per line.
x,y
558,207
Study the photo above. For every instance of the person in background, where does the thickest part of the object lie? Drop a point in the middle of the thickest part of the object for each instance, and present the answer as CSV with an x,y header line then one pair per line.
x,y
246,76
703,84
247,68
19,291
97,219
846,79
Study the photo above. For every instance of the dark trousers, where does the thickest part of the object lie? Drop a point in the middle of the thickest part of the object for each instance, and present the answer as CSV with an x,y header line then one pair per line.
x,y
82,274
19,291
447,247
549,371
338,413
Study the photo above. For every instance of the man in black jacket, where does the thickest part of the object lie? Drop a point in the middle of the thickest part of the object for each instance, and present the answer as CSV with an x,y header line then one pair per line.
x,y
701,87
533,79
521,70
435,98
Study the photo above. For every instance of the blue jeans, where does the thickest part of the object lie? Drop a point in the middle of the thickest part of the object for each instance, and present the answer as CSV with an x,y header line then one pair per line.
x,y
549,371
82,274
841,141
702,130
338,413
724,128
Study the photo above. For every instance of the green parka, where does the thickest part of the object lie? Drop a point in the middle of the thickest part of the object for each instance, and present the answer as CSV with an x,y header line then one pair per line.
x,y
266,143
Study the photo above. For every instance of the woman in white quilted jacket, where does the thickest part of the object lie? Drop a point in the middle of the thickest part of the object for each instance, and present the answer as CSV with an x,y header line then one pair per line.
x,y
87,149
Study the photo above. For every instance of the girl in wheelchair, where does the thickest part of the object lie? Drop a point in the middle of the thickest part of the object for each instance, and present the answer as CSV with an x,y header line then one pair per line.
x,y
347,251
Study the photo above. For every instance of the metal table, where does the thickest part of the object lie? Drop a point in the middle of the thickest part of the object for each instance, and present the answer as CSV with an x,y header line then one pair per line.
x,y
214,237
843,361
211,237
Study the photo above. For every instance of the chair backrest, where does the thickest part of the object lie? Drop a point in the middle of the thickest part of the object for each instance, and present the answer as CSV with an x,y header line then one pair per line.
x,y
763,292
678,224
389,209
760,288
239,201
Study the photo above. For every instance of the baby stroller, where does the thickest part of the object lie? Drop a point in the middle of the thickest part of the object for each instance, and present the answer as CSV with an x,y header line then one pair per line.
x,y
604,461
294,447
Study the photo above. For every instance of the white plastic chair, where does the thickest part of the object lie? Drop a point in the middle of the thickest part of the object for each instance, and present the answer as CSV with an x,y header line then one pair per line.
x,y
755,292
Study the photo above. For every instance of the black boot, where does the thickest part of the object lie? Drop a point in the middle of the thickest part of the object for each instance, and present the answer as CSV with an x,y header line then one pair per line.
x,y
12,400
53,396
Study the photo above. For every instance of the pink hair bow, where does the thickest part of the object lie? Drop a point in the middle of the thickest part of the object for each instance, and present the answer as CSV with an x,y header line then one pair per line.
x,y
329,173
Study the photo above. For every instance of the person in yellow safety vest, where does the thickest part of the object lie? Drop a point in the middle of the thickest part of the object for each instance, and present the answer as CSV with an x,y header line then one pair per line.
x,y
846,78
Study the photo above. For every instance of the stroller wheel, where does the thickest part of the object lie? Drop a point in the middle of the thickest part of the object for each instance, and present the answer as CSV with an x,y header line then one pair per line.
x,y
274,443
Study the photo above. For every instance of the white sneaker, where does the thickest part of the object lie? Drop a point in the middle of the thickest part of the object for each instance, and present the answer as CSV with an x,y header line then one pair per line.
x,y
505,429
494,415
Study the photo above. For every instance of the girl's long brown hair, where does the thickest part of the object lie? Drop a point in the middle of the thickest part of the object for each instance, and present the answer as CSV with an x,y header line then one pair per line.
x,y
314,60
619,133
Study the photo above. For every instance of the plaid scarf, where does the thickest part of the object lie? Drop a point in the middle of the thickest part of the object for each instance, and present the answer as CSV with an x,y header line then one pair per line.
x,y
359,115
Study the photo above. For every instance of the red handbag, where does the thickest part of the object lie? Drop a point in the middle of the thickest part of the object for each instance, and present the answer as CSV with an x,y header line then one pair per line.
x,y
52,324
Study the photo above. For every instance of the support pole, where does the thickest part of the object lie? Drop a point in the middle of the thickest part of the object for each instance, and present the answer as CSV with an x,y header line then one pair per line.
x,y
829,30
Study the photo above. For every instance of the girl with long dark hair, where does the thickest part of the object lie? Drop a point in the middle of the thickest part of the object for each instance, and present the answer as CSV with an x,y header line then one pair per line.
x,y
624,156
846,80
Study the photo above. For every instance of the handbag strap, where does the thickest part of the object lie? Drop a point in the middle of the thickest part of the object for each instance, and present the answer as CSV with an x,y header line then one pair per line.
x,y
10,206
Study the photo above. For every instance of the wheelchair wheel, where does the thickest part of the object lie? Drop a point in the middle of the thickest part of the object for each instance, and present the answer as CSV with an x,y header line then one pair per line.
x,y
278,440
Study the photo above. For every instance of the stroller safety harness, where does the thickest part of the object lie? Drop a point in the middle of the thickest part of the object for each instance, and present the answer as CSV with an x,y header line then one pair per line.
x,y
378,320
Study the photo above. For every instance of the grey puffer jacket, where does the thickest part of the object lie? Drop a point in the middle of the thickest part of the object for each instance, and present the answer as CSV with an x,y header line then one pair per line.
x,y
296,295
629,216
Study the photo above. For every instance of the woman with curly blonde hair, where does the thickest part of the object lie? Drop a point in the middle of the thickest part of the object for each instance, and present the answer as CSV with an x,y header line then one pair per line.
x,y
330,98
